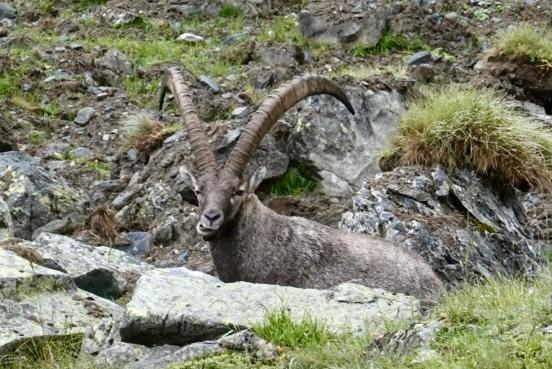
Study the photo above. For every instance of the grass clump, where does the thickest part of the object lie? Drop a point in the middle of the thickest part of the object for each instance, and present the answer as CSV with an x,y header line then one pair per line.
x,y
229,11
145,133
297,181
478,129
46,353
37,137
278,327
527,42
102,169
364,72
387,43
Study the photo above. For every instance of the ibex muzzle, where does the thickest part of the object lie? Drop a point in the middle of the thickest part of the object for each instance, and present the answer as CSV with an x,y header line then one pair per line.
x,y
250,242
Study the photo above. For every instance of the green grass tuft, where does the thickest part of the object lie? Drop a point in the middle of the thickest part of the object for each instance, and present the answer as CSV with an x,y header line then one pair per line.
x,y
387,43
229,11
297,181
37,137
527,42
463,127
279,328
102,169
46,353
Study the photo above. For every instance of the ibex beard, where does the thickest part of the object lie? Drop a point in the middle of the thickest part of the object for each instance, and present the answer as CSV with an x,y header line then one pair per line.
x,y
250,242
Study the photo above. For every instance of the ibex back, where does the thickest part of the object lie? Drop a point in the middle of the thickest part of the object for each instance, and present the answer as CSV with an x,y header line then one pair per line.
x,y
250,242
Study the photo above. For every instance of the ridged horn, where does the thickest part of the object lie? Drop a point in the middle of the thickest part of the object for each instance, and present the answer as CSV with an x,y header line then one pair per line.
x,y
280,101
203,154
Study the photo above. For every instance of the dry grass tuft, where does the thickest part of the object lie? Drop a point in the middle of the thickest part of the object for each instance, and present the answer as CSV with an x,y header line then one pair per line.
x,y
145,133
103,223
459,126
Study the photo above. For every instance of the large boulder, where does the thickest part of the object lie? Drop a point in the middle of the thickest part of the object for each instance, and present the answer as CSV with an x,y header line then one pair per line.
x,y
178,306
344,22
37,302
101,270
454,221
345,148
33,196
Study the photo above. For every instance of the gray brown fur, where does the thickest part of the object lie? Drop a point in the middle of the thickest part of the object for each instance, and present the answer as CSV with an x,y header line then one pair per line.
x,y
264,247
250,242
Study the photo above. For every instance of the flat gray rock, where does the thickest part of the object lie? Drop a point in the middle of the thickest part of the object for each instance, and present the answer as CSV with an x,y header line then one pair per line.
x,y
101,270
37,301
178,306
84,115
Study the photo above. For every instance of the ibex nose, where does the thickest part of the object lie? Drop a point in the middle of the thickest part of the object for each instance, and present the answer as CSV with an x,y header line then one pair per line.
x,y
211,215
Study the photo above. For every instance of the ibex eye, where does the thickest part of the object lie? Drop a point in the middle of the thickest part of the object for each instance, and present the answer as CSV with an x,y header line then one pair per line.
x,y
238,193
198,192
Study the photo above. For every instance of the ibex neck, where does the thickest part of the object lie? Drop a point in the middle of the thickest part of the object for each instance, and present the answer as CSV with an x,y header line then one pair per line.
x,y
243,242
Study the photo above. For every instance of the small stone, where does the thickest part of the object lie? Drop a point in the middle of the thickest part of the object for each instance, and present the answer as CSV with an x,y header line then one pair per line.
x,y
5,42
75,46
84,115
190,37
264,80
7,11
232,39
59,75
140,243
547,329
421,57
54,165
451,15
358,8
132,154
239,112
124,18
173,138
106,137
210,83
60,49
82,152
7,22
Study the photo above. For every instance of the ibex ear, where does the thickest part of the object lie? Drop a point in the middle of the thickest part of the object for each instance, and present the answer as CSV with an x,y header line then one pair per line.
x,y
256,179
184,172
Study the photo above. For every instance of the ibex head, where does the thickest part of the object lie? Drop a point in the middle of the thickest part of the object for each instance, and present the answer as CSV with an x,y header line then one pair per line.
x,y
221,191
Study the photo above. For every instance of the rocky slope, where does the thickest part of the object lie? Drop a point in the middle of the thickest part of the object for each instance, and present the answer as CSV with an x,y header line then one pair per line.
x,y
91,200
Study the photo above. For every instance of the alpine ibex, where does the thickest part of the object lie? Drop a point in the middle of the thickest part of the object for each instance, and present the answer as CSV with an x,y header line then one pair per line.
x,y
250,242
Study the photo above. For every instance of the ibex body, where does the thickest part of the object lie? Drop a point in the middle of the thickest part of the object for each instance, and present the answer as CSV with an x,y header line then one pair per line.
x,y
250,242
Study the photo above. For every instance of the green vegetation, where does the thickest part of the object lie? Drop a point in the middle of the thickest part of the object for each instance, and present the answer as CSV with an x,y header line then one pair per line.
x,y
463,127
279,328
48,353
297,181
37,137
102,169
229,11
396,70
387,43
525,41
83,4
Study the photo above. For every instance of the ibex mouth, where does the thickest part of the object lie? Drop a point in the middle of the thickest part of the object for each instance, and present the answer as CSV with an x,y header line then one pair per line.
x,y
204,231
